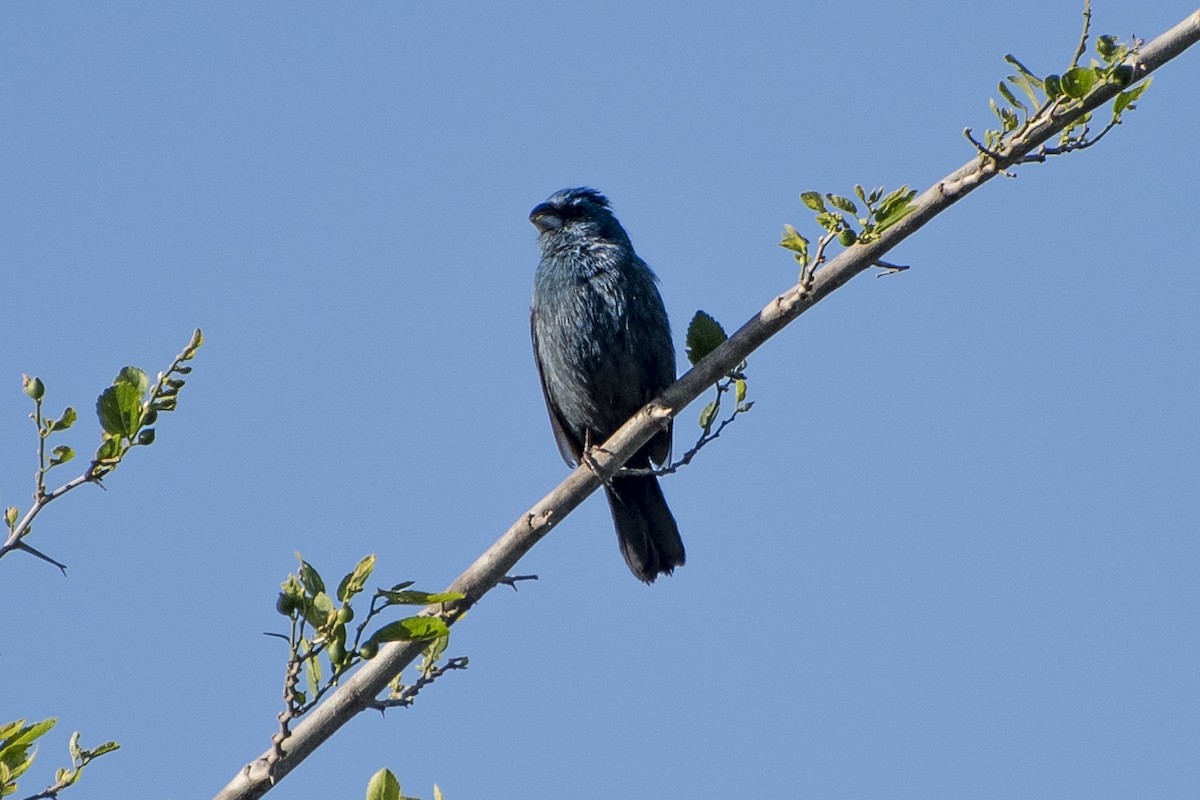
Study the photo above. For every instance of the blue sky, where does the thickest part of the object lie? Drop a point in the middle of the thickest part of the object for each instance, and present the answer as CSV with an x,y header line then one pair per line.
x,y
952,552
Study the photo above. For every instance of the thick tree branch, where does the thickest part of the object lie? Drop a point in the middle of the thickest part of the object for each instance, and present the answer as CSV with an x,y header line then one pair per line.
x,y
359,692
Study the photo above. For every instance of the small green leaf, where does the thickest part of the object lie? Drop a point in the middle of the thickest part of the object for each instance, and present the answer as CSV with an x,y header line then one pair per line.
x,y
411,629
135,378
1029,86
62,454
414,598
10,515
793,241
33,387
739,390
830,222
1008,96
312,673
109,449
435,649
104,749
120,409
310,577
708,414
67,420
812,200
1106,46
704,334
383,786
1125,99
354,582
27,734
1077,82
843,203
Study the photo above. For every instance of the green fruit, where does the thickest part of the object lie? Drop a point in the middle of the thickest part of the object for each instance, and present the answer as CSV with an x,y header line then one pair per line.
x,y
368,650
285,604
847,238
345,614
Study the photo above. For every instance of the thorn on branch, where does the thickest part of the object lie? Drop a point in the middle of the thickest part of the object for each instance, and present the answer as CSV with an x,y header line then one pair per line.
x,y
408,694
511,580
889,269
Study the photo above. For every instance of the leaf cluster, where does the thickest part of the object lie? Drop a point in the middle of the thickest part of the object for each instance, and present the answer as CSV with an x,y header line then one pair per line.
x,y
705,334
1026,98
322,640
127,411
16,740
129,408
844,220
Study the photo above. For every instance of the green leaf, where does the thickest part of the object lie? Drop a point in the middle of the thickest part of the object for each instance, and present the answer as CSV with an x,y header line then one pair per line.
x,y
411,629
1025,73
793,241
104,749
1106,46
62,454
1029,86
354,582
414,598
383,786
1009,97
437,793
1077,82
739,390
17,740
120,409
193,345
310,577
830,222
843,203
708,414
135,378
1125,99
435,649
812,200
10,515
67,420
33,387
109,449
704,334
312,672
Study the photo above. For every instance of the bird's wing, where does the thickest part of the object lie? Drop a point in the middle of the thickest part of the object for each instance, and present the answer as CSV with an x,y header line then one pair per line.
x,y
567,445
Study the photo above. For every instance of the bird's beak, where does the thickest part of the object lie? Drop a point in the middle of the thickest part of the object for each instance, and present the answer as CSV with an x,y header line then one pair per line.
x,y
544,218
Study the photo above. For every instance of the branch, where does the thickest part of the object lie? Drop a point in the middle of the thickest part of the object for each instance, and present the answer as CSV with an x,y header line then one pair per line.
x,y
359,692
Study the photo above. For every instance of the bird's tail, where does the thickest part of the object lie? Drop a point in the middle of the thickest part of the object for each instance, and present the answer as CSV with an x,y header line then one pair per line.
x,y
647,532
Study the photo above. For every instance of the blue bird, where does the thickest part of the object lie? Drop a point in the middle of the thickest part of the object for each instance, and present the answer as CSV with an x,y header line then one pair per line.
x,y
603,349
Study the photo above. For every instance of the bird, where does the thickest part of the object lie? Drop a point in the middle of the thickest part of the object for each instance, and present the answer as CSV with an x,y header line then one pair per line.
x,y
603,348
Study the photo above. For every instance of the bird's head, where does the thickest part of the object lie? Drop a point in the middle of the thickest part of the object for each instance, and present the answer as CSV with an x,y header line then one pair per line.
x,y
576,214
